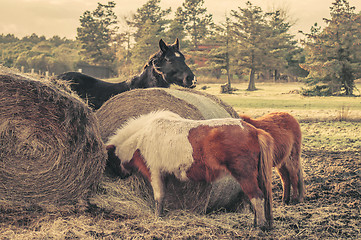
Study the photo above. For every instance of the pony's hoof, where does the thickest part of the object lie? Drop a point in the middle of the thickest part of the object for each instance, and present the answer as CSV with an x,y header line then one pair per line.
x,y
267,227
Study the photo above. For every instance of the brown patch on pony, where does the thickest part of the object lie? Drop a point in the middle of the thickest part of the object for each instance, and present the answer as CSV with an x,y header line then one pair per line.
x,y
207,167
287,136
138,163
245,153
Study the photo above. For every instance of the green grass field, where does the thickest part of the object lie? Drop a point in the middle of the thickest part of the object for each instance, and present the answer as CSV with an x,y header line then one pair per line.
x,y
284,97
326,132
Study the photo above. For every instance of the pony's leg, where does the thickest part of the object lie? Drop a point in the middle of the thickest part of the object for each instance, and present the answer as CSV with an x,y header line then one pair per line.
x,y
296,178
294,167
297,185
300,185
294,182
158,192
249,185
258,206
285,177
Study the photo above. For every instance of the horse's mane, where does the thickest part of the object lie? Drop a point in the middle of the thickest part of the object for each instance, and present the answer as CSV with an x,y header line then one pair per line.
x,y
156,56
156,75
152,58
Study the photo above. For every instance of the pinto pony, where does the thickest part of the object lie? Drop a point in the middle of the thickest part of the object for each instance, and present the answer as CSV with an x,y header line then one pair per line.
x,y
287,136
164,68
162,142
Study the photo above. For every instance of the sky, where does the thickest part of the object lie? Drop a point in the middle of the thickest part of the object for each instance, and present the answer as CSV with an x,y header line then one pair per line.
x,y
61,17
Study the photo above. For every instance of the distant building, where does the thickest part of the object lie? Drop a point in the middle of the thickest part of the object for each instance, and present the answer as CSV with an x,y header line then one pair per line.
x,y
95,71
201,59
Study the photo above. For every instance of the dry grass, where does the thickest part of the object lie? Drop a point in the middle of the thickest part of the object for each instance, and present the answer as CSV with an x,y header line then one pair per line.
x,y
284,97
331,209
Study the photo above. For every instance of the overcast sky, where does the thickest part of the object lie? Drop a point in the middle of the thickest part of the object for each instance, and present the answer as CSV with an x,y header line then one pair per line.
x,y
61,17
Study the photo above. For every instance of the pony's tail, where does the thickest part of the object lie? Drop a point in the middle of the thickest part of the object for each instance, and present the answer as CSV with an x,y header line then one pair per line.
x,y
265,172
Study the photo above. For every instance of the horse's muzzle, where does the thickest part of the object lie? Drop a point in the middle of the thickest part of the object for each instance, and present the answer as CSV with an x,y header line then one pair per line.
x,y
193,82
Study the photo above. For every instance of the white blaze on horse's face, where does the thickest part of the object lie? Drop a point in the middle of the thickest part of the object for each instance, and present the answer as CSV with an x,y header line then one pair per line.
x,y
174,69
194,81
191,83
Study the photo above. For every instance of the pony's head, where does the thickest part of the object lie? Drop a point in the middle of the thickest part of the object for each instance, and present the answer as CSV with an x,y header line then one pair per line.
x,y
116,164
170,63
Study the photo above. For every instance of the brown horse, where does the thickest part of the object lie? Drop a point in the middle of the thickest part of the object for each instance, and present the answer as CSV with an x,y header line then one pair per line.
x,y
287,136
162,142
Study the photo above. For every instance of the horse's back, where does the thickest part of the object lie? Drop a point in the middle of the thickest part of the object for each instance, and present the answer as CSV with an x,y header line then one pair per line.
x,y
94,90
284,129
278,124
79,79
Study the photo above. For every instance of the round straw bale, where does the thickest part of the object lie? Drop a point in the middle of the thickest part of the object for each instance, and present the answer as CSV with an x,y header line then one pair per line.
x,y
51,152
187,103
191,104
205,103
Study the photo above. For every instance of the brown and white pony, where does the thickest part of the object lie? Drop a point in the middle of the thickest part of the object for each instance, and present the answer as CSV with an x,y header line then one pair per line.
x,y
287,136
162,142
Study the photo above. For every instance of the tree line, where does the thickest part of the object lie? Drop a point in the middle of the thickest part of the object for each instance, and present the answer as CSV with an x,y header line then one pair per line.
x,y
54,55
250,43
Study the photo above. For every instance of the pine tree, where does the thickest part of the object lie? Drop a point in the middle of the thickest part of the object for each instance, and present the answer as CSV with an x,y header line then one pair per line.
x,y
176,28
146,45
251,34
197,22
334,53
149,25
219,55
152,12
281,44
96,33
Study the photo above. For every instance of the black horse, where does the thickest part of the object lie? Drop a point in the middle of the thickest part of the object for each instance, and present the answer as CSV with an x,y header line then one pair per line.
x,y
165,67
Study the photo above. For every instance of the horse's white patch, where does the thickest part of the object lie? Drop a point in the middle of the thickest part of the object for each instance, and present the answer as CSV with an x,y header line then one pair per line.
x,y
162,138
177,54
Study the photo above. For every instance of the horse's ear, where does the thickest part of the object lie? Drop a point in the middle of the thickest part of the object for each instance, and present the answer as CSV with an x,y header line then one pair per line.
x,y
163,46
176,44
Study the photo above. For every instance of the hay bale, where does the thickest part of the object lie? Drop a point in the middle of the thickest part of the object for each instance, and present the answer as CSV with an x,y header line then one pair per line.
x,y
191,104
187,103
51,152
